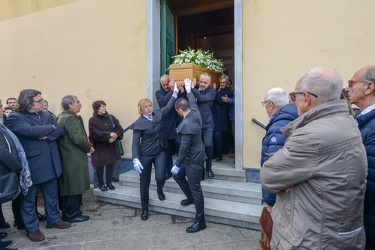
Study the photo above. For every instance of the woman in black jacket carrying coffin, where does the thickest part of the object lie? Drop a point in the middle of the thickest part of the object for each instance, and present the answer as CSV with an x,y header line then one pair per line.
x,y
148,147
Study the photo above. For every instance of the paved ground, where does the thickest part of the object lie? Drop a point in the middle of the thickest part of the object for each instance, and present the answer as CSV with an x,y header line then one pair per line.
x,y
119,227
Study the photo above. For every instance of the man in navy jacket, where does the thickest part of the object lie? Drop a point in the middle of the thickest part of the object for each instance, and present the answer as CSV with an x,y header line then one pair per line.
x,y
38,132
361,92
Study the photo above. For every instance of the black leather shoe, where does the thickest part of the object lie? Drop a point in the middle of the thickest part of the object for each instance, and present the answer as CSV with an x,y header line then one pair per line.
x,y
4,225
110,186
41,217
5,244
161,196
144,214
168,175
197,226
219,158
19,225
210,174
78,219
3,235
186,202
103,188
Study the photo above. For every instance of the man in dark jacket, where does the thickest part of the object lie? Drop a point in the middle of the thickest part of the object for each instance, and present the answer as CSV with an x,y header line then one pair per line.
x,y
38,132
220,115
205,96
361,91
171,120
280,113
190,161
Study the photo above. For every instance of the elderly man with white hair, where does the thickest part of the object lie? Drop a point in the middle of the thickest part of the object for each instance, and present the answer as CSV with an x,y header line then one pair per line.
x,y
280,113
320,173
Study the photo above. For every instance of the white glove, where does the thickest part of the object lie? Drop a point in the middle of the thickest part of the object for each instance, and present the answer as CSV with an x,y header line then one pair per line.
x,y
187,82
137,165
176,89
175,169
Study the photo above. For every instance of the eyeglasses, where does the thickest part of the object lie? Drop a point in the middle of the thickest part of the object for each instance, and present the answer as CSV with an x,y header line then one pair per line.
x,y
351,82
40,101
293,95
223,82
265,102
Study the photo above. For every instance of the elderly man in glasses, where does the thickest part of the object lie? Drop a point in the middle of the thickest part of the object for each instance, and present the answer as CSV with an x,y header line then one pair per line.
x,y
361,92
319,175
280,113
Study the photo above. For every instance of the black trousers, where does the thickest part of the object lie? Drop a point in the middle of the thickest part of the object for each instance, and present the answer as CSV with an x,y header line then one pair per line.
x,y
159,160
108,174
192,186
71,206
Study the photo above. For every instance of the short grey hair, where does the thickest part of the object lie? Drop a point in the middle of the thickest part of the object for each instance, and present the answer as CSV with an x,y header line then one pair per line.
x,y
326,83
278,96
369,74
224,76
69,99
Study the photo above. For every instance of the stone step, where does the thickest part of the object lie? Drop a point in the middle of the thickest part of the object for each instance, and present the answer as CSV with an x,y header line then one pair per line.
x,y
216,210
244,192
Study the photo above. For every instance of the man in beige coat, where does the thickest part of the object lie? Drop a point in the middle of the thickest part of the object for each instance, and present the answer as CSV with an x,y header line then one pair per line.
x,y
320,173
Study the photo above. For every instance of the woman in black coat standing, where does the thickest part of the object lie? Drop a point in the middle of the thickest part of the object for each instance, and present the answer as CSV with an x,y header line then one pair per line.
x,y
105,131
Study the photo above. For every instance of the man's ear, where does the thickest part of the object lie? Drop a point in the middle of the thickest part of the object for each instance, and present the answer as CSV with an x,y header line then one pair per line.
x,y
307,101
370,87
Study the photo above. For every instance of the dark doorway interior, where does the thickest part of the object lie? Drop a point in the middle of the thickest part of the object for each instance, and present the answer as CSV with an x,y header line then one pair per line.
x,y
208,25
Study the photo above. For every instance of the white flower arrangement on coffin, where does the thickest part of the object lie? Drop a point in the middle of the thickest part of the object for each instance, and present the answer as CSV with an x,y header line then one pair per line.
x,y
204,59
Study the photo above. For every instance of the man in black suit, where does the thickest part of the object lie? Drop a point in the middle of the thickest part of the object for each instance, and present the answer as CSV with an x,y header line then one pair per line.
x,y
205,96
191,157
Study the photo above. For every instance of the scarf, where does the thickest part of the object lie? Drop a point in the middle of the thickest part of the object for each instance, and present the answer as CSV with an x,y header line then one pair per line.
x,y
25,177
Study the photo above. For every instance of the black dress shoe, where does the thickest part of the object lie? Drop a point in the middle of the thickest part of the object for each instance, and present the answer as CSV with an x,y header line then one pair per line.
x,y
219,158
168,175
18,225
197,226
161,196
110,186
186,202
3,235
78,219
210,174
103,188
144,214
41,217
5,244
4,225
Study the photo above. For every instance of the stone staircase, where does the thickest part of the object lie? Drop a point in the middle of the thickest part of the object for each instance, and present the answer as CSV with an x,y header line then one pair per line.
x,y
228,198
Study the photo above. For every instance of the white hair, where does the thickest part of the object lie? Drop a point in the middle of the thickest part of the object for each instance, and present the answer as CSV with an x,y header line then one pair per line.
x,y
278,96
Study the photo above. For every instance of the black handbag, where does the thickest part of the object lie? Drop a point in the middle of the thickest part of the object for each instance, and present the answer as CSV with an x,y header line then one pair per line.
x,y
9,187
120,148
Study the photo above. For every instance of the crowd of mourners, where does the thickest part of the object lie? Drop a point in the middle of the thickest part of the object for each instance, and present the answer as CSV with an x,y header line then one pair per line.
x,y
317,158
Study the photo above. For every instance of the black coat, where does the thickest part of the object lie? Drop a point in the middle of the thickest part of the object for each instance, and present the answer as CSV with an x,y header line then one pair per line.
x,y
205,99
190,130
100,128
220,109
148,136
8,155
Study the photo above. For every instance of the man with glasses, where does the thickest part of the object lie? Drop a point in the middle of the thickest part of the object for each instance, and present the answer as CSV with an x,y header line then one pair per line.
x,y
280,113
38,132
319,175
361,92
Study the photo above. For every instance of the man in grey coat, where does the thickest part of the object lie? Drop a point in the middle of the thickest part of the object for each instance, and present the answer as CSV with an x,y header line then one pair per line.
x,y
319,175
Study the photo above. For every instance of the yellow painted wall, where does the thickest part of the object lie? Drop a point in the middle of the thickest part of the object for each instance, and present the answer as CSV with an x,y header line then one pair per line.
x,y
284,39
90,48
